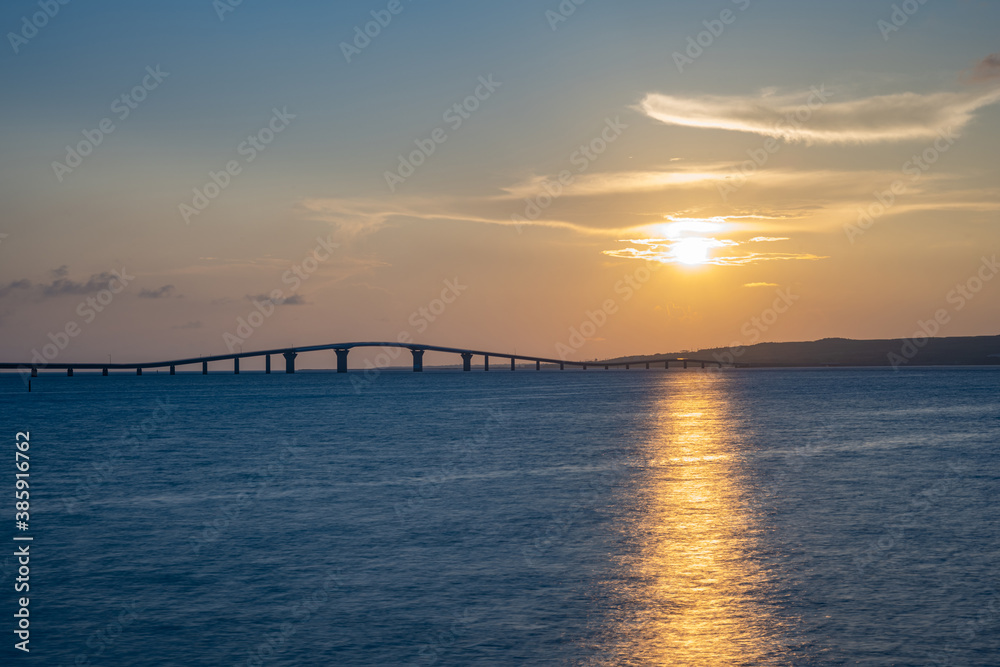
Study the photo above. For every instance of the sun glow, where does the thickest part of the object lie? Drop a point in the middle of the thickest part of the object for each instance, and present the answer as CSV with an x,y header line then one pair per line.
x,y
691,251
696,241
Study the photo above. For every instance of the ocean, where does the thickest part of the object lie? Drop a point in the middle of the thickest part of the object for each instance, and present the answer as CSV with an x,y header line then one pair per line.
x,y
735,517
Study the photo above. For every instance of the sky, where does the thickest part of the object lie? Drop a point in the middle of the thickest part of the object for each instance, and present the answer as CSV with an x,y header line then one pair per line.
x,y
577,179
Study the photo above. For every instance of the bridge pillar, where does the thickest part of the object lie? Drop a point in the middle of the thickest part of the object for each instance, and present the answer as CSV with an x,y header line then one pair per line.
x,y
626,366
666,365
466,361
173,369
290,362
647,365
486,362
538,365
236,366
562,366
605,367
34,371
138,371
585,367
342,360
69,372
418,361
204,368
703,364
267,365
685,364
104,372
512,363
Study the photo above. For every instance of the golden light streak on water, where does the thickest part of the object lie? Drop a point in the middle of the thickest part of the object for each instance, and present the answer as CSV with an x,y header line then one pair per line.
x,y
694,594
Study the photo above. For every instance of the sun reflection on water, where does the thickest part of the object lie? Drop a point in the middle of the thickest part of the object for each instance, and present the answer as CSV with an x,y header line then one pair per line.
x,y
692,591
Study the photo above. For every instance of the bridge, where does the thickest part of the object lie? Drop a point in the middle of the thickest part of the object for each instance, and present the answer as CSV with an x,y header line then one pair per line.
x,y
342,350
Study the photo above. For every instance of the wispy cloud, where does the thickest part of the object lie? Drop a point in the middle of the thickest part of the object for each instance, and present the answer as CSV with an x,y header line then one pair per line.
x,y
686,242
362,216
66,286
882,118
60,286
293,300
624,181
14,285
987,69
663,250
159,293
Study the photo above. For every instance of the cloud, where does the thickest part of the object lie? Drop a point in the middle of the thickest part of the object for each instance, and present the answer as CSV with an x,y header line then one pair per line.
x,y
364,216
775,202
676,249
14,285
580,209
64,286
294,300
510,208
159,293
882,118
61,286
587,185
987,69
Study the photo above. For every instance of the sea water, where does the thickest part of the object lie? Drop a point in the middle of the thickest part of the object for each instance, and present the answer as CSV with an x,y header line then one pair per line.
x,y
736,517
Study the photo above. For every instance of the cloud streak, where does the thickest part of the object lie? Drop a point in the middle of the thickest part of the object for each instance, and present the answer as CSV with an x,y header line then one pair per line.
x,y
882,118
666,251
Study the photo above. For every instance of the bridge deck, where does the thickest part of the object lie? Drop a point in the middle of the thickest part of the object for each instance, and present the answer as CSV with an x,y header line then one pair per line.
x,y
413,347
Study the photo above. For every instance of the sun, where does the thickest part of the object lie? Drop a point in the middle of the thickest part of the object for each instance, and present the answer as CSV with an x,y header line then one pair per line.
x,y
691,250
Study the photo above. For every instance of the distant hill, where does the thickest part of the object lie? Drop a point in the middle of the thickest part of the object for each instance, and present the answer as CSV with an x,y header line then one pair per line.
x,y
954,351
